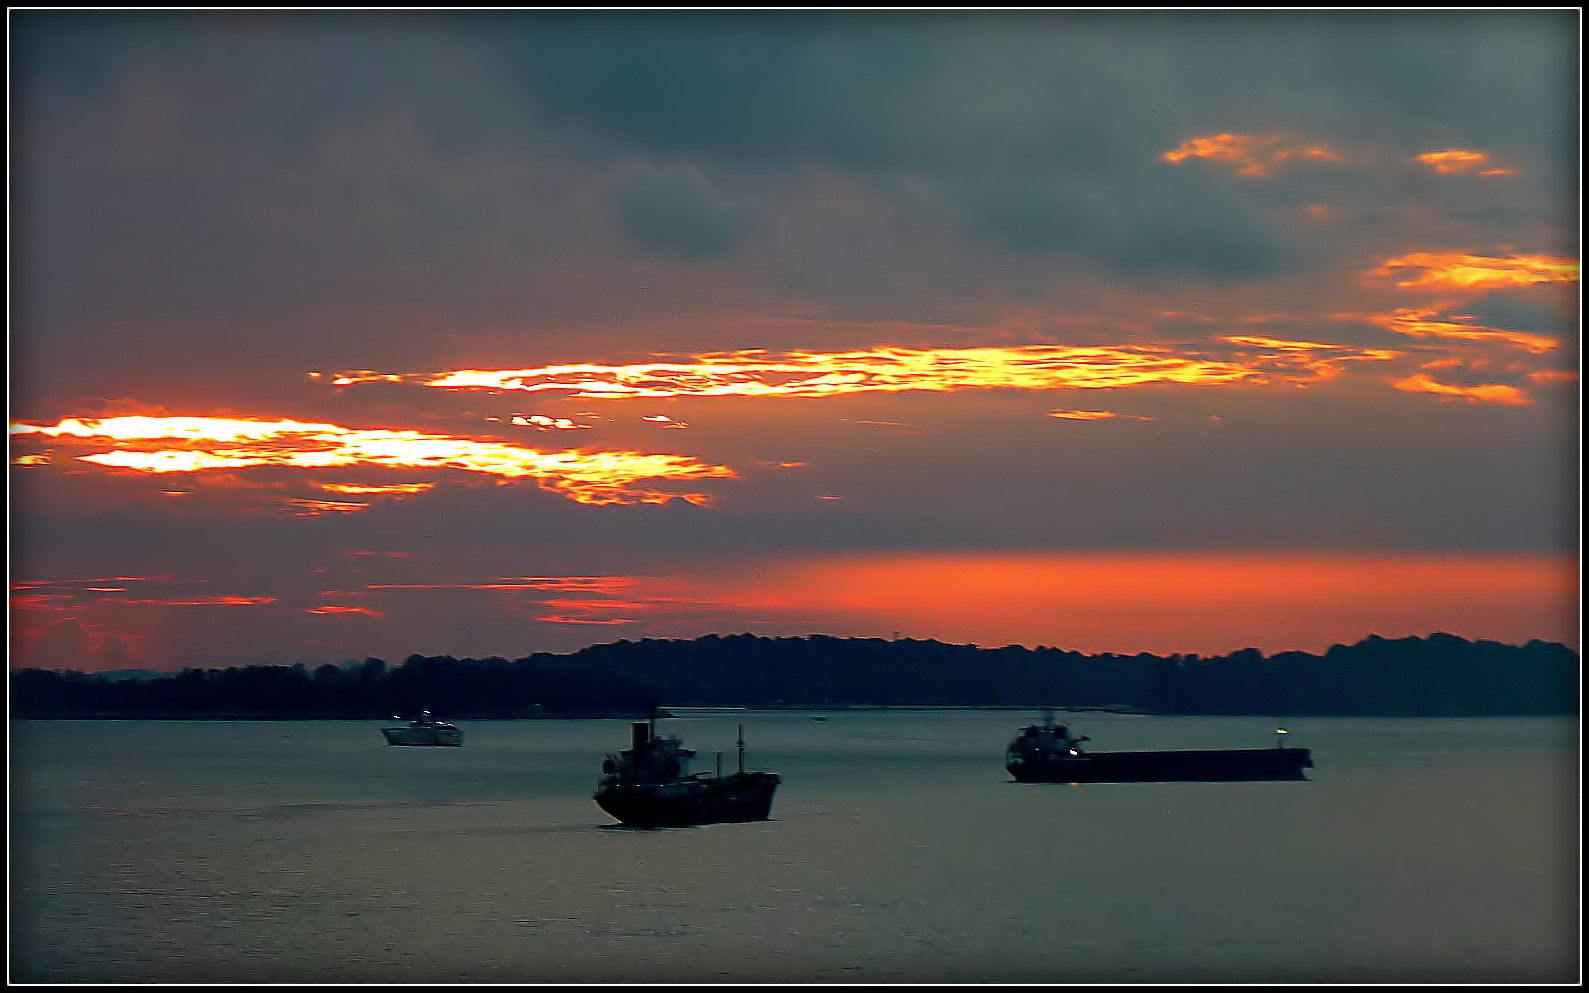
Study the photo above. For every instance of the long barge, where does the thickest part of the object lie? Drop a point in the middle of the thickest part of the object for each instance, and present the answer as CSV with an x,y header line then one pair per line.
x,y
1049,753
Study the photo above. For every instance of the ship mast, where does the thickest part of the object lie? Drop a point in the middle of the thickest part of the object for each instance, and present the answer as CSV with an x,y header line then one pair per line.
x,y
742,749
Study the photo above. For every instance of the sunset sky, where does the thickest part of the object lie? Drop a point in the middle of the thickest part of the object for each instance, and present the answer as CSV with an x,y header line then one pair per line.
x,y
349,335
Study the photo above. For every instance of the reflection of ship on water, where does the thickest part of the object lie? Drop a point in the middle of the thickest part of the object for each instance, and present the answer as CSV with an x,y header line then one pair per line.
x,y
1048,753
648,785
423,730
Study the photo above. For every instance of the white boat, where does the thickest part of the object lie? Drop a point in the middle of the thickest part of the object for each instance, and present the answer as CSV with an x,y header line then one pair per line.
x,y
424,730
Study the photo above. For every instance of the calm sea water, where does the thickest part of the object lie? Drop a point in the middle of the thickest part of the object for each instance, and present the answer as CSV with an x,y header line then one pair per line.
x,y
899,851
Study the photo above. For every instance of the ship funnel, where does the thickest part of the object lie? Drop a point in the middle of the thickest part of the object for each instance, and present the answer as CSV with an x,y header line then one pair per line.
x,y
641,738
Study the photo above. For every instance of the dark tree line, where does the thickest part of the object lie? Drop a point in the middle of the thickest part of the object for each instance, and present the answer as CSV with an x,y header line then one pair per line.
x,y
542,685
1442,675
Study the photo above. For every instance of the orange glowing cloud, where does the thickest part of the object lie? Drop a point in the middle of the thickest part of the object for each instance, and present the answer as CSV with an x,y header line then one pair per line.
x,y
1487,392
1319,360
599,613
195,601
564,584
162,445
353,489
313,507
1421,322
207,601
758,373
1252,155
1093,415
1479,273
1461,161
116,622
81,583
543,423
595,600
1262,155
145,591
332,610
1465,276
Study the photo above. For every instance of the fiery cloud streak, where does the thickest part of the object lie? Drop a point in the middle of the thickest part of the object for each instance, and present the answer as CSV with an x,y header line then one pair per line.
x,y
354,489
312,507
1253,155
543,423
1486,392
758,373
563,584
144,444
1461,271
334,610
1094,415
582,600
1421,322
143,591
1458,160
1261,155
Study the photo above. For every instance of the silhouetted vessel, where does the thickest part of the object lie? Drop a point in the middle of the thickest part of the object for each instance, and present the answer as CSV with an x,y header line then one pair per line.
x,y
1047,753
648,785
424,730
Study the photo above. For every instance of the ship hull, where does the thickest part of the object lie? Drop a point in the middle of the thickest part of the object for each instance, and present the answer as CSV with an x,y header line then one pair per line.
x,y
686,803
422,736
1228,765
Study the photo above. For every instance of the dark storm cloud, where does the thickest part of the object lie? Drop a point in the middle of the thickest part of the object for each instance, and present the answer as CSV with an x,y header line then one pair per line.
x,y
675,208
862,91
203,165
1043,134
1467,77
1479,76
1131,221
1044,130
270,81
267,190
85,48
178,156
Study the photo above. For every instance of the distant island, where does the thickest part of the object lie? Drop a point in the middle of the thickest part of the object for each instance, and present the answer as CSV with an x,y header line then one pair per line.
x,y
1441,675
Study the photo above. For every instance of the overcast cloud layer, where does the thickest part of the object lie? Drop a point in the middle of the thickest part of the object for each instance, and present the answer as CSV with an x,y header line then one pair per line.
x,y
546,329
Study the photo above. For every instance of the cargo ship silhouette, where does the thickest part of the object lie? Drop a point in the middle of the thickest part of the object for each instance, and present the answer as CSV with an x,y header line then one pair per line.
x,y
648,785
1048,753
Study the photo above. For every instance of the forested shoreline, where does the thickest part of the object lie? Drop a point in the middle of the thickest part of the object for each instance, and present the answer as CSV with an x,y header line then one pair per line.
x,y
1441,675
